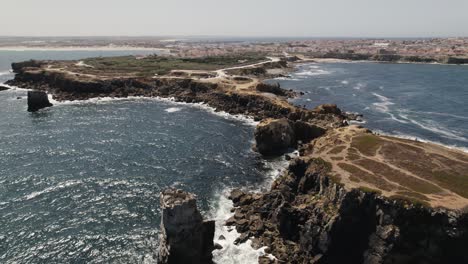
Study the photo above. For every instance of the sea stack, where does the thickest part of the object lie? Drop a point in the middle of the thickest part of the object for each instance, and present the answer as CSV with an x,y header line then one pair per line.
x,y
185,236
37,100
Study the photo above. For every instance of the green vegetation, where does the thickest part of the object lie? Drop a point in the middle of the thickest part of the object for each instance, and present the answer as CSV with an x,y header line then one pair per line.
x,y
322,164
358,175
410,200
455,182
151,65
367,144
370,190
337,150
383,170
414,195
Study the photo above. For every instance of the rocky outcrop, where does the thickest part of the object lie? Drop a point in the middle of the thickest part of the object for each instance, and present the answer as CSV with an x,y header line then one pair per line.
x,y
67,86
19,67
308,217
3,88
327,109
37,100
185,237
276,136
274,89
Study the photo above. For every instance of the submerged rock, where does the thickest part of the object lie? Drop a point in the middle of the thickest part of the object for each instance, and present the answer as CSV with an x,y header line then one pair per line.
x,y
185,237
37,100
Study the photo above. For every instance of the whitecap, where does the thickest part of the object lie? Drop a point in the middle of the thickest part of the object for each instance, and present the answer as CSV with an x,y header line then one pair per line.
x,y
359,86
345,82
436,128
313,72
52,189
383,105
173,109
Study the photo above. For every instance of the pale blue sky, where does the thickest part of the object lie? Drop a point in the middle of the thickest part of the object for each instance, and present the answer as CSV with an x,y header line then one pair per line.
x,y
315,18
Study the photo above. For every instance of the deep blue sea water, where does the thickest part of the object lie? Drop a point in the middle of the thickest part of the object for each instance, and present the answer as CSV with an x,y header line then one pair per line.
x,y
424,101
80,182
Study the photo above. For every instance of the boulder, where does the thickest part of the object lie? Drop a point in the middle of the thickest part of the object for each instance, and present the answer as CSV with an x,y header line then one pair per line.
x,y
3,88
274,136
37,100
185,236
271,88
327,109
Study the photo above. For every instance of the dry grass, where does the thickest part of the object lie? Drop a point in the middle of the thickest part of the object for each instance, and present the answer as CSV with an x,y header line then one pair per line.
x,y
367,144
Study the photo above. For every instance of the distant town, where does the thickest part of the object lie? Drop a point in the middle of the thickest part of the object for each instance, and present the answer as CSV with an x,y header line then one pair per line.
x,y
413,50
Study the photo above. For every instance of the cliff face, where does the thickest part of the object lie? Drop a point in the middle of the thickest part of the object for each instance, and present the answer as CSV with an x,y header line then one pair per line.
x,y
307,217
185,236
223,95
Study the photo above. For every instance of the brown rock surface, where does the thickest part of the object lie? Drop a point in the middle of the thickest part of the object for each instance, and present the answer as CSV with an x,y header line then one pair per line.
x,y
185,237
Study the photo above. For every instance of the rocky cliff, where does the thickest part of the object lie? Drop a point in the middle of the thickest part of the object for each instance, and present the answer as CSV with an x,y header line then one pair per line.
x,y
185,236
224,94
309,217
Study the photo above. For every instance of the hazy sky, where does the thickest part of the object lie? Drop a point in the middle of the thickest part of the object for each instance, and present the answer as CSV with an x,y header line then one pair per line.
x,y
316,18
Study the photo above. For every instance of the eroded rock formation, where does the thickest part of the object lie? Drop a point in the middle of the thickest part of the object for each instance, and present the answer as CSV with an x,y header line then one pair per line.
x,y
276,136
185,236
308,217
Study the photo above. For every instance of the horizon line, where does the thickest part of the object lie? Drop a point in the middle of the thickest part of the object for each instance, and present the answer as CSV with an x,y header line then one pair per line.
x,y
230,36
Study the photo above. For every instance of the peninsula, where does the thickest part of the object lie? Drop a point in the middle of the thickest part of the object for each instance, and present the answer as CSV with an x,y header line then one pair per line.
x,y
352,196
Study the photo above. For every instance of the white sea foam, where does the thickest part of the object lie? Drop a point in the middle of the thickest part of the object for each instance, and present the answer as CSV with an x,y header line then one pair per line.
x,y
344,82
439,114
359,86
411,137
436,128
312,72
286,79
383,105
173,109
245,119
15,88
221,211
231,253
5,73
52,189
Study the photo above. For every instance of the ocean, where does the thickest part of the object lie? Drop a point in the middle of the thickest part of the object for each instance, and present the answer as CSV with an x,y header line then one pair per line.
x,y
80,181
427,102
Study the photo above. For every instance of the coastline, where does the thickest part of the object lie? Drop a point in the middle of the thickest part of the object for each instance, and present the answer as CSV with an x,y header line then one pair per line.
x,y
333,60
307,177
79,48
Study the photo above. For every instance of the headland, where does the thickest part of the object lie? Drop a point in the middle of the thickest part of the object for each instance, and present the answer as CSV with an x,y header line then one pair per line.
x,y
351,195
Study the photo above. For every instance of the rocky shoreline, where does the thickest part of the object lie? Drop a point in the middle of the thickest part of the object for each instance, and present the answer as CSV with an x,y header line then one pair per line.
x,y
391,58
311,214
307,217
